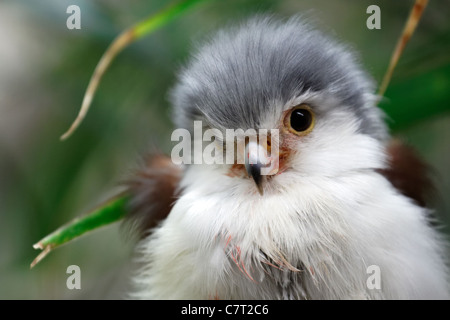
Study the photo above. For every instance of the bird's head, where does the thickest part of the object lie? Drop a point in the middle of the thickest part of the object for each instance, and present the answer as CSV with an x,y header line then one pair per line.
x,y
283,75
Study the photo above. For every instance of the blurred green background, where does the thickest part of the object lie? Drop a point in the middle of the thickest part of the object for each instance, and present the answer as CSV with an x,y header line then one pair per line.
x,y
45,68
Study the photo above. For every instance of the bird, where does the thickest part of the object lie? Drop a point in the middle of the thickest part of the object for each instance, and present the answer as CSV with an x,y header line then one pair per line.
x,y
346,198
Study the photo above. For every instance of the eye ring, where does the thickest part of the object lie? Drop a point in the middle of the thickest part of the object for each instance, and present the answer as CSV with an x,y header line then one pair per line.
x,y
300,120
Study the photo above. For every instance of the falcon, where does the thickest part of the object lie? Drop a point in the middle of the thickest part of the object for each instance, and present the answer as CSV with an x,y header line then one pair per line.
x,y
343,217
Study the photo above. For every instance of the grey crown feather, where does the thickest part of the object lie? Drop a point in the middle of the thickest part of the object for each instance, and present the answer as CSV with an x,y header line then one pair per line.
x,y
232,80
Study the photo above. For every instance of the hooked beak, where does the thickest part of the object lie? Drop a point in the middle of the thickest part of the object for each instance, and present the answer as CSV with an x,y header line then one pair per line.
x,y
256,160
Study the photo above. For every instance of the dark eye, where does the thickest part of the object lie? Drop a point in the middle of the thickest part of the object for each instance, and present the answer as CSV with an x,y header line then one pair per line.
x,y
300,120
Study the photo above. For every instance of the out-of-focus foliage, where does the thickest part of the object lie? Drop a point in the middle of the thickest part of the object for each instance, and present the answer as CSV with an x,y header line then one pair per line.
x,y
44,71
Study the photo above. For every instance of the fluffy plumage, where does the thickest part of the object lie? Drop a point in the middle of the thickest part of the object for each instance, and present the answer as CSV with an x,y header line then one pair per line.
x,y
323,220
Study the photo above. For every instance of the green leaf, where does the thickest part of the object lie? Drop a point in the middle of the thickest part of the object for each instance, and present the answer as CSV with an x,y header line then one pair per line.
x,y
152,23
112,211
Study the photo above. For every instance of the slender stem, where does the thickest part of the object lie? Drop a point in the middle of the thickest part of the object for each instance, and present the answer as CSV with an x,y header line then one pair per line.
x,y
410,26
130,35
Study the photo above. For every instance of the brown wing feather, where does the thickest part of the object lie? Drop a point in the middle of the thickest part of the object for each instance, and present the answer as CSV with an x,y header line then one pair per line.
x,y
408,172
153,191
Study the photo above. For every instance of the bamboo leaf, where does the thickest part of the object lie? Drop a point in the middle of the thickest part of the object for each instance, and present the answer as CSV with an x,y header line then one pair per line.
x,y
112,211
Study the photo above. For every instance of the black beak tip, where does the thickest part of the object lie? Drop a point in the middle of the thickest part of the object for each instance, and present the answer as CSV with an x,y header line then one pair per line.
x,y
254,170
